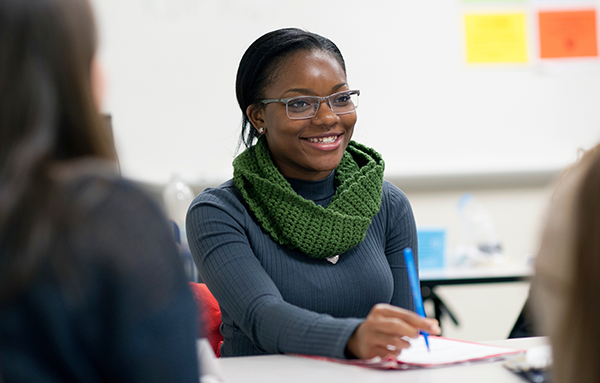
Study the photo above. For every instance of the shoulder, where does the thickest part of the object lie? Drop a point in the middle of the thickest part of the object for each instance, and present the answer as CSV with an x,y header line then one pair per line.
x,y
116,216
105,196
225,197
395,209
225,190
91,186
112,220
393,198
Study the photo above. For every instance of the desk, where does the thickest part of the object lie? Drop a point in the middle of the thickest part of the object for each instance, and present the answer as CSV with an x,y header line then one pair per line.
x,y
460,276
291,369
457,276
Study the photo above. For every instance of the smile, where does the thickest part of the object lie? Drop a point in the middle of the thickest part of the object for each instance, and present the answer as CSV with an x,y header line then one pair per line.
x,y
324,140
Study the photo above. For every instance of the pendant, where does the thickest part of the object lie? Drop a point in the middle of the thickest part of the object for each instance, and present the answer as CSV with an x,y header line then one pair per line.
x,y
333,260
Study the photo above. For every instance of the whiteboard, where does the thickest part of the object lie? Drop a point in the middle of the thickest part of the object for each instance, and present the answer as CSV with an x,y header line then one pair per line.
x,y
171,68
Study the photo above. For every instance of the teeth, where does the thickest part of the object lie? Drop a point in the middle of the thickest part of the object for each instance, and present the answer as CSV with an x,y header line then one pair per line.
x,y
323,140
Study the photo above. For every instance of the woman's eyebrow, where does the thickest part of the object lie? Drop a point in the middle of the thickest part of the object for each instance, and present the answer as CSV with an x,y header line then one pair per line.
x,y
310,92
300,90
338,86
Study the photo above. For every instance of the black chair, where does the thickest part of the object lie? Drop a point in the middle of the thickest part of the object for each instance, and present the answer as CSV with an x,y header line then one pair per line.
x,y
525,325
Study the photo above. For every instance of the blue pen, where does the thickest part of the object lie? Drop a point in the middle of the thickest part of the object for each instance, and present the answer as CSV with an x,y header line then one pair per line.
x,y
416,288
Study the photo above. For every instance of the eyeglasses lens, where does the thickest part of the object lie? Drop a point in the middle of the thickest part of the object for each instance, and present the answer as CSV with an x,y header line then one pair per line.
x,y
307,106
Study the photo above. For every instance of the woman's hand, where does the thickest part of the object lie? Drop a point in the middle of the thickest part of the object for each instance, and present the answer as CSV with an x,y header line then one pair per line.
x,y
381,333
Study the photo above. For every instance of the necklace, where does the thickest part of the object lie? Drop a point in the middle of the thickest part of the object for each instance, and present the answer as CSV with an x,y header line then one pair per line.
x,y
333,260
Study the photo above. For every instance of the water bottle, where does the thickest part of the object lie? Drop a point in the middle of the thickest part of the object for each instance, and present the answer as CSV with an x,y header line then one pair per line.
x,y
178,197
480,244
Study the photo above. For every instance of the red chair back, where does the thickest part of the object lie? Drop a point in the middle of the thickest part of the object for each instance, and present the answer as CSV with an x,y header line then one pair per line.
x,y
209,315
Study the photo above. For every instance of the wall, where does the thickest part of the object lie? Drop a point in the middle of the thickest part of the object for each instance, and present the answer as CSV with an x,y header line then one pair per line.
x,y
172,66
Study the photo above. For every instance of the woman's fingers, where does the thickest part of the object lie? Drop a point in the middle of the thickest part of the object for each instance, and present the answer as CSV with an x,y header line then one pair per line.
x,y
390,326
371,344
382,332
434,326
394,345
407,316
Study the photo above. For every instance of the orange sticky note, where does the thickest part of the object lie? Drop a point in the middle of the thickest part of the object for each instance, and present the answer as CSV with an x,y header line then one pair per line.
x,y
568,34
496,38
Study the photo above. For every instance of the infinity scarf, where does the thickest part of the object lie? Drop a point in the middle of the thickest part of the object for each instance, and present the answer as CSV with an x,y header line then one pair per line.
x,y
298,223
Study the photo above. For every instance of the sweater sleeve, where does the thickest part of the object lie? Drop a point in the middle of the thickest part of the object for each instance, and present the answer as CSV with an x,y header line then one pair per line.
x,y
401,233
229,266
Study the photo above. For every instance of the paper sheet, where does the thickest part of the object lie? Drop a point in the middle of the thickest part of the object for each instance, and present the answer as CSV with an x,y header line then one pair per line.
x,y
568,34
448,351
496,38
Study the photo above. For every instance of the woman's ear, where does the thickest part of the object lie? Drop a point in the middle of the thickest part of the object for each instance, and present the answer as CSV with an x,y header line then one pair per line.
x,y
256,115
98,82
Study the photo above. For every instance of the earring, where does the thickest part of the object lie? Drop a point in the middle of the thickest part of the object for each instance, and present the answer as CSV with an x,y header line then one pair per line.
x,y
261,130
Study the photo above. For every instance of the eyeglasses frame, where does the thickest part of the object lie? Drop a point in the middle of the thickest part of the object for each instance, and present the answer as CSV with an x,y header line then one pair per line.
x,y
320,100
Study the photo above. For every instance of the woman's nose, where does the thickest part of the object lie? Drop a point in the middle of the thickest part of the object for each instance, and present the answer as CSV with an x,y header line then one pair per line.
x,y
325,114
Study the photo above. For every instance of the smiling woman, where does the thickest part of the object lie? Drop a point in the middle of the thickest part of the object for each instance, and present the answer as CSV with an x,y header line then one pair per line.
x,y
303,247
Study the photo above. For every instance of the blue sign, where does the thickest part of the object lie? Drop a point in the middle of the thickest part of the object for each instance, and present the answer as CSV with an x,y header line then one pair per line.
x,y
432,248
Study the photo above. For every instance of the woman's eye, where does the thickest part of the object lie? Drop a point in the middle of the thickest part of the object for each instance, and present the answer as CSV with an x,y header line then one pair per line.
x,y
299,104
342,98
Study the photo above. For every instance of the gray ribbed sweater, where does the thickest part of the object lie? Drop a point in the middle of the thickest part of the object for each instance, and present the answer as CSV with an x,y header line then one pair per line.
x,y
277,300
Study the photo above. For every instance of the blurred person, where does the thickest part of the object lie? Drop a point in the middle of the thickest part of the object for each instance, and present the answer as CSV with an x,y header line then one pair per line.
x,y
91,284
303,247
567,279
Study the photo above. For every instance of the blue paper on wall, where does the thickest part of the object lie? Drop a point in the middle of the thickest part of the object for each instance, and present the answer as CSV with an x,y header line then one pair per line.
x,y
432,246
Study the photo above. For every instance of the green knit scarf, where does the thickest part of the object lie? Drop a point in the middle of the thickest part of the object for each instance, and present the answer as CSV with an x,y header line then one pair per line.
x,y
301,224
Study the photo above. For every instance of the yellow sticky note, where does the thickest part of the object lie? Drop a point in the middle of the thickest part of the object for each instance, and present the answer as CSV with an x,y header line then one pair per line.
x,y
496,38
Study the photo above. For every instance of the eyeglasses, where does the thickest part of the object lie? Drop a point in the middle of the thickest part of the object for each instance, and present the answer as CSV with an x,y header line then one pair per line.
x,y
302,107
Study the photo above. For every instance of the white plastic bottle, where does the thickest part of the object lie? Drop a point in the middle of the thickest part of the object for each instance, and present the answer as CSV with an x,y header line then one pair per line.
x,y
178,197
480,244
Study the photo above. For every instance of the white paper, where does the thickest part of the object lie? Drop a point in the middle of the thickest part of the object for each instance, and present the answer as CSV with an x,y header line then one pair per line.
x,y
448,351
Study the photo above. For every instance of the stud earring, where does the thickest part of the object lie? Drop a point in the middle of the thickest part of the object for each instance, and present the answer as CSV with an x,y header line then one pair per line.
x,y
261,130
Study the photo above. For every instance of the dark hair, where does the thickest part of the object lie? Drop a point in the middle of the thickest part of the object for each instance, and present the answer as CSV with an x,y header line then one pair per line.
x,y
48,116
260,64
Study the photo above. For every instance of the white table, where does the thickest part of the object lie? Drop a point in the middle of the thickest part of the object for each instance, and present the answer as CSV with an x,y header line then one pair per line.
x,y
291,369
510,272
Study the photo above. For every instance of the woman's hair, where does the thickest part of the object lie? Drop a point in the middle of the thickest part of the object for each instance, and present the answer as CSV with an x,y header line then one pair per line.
x,y
262,61
577,347
48,116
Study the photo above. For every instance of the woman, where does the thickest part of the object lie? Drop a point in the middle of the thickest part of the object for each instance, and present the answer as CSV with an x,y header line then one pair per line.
x,y
306,241
566,284
91,284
